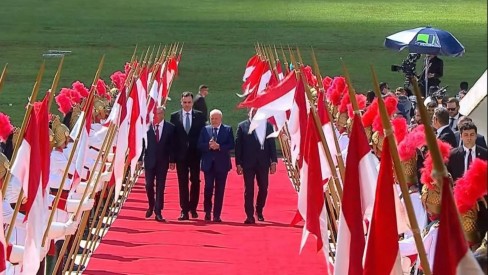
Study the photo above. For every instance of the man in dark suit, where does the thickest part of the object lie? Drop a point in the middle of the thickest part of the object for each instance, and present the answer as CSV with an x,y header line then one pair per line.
x,y
215,142
480,139
440,122
255,157
461,157
452,106
188,124
199,101
435,70
158,158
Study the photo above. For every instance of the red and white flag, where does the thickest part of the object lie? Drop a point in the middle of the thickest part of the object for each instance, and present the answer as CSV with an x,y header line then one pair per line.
x,y
27,168
122,143
83,145
276,99
382,254
452,254
250,66
357,202
3,245
297,123
311,204
136,130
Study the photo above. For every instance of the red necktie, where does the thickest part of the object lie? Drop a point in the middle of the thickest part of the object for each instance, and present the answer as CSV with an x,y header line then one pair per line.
x,y
157,132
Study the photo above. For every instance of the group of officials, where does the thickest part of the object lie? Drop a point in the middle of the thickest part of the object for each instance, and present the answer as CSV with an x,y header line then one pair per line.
x,y
190,144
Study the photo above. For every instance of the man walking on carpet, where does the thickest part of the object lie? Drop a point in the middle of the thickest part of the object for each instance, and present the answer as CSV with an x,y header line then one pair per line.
x,y
188,124
215,142
255,157
158,158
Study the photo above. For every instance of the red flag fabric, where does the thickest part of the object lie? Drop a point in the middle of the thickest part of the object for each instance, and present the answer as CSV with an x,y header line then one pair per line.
x,y
382,250
44,144
452,255
357,198
250,66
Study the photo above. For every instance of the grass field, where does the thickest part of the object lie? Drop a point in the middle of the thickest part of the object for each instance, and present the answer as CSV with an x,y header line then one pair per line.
x,y
219,37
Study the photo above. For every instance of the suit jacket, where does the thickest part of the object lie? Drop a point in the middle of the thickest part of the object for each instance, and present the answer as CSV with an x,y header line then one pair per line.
x,y
455,165
220,159
186,144
160,154
480,140
248,152
200,105
447,135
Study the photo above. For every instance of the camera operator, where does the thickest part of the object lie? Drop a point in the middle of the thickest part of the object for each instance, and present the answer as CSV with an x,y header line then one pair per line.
x,y
435,70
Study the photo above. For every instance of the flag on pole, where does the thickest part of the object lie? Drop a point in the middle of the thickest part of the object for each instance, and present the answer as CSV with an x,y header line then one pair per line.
x,y
135,130
3,244
382,254
83,145
250,66
452,254
357,202
122,143
311,204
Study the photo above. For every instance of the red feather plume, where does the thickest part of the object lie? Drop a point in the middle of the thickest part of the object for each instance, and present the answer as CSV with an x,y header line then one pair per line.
x,y
391,103
6,128
426,172
102,89
64,103
118,80
80,88
361,99
327,81
400,128
370,114
472,186
336,90
407,148
311,78
344,102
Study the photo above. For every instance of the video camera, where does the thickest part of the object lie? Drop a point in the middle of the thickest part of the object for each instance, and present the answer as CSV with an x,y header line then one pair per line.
x,y
408,65
438,92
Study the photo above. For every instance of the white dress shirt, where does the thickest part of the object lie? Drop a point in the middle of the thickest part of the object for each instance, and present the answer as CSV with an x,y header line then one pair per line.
x,y
184,114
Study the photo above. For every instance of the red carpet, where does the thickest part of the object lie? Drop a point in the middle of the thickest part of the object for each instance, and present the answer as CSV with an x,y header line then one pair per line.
x,y
134,245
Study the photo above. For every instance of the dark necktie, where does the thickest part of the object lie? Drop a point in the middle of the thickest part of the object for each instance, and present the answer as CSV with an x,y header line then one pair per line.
x,y
157,132
470,158
214,134
451,122
187,123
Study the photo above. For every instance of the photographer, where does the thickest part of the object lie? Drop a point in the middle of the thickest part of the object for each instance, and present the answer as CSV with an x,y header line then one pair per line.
x,y
435,70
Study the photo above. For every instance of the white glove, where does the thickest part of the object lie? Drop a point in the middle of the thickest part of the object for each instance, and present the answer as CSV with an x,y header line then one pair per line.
x,y
44,251
57,230
17,254
82,186
87,204
76,196
105,176
71,227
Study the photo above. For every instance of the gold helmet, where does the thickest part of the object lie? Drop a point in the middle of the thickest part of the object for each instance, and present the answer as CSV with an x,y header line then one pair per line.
x,y
74,116
469,224
61,132
431,198
16,135
51,138
100,106
369,132
377,143
4,164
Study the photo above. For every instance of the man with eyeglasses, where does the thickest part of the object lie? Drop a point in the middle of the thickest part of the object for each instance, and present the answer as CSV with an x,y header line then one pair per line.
x,y
454,115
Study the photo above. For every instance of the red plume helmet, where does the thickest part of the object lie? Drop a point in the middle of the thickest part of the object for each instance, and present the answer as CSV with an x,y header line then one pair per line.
x,y
370,114
426,172
311,78
407,148
400,127
327,81
80,88
336,90
64,103
6,128
118,80
361,99
472,186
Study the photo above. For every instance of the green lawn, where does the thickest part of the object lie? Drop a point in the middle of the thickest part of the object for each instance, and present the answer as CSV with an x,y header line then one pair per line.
x,y
219,37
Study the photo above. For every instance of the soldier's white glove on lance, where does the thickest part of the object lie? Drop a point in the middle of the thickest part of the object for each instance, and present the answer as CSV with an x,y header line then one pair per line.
x,y
80,189
56,230
72,205
71,227
16,253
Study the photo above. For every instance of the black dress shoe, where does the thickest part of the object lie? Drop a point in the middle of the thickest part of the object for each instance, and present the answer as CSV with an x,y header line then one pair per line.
x,y
217,219
184,217
160,218
149,213
78,267
207,217
250,221
81,249
260,217
194,215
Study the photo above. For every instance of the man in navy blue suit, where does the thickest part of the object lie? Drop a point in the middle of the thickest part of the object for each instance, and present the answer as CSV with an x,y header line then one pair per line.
x,y
158,158
215,142
255,159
